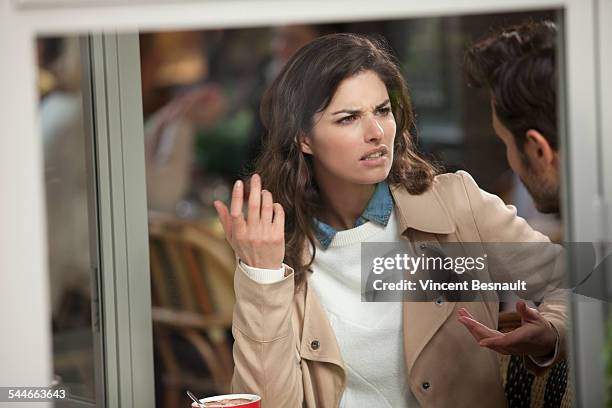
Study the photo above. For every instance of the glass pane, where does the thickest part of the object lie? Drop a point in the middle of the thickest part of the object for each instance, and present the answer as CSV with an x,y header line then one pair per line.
x,y
201,95
72,240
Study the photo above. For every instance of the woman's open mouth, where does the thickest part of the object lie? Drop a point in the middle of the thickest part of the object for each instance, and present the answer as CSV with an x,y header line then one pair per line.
x,y
376,156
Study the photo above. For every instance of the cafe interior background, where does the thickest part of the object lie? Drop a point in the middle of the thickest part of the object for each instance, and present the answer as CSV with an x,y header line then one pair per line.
x,y
139,128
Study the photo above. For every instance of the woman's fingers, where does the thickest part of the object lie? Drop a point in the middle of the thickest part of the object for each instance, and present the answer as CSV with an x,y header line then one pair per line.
x,y
254,202
267,208
225,218
259,240
279,220
237,198
238,224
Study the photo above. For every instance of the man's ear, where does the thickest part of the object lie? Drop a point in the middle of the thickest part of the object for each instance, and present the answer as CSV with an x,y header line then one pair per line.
x,y
305,144
538,149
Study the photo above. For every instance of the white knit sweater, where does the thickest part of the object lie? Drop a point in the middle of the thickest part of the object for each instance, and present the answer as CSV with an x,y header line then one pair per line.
x,y
369,334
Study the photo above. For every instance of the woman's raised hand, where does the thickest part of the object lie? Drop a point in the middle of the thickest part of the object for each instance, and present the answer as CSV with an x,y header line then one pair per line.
x,y
259,241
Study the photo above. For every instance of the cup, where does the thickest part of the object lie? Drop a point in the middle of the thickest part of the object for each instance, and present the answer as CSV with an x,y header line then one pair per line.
x,y
231,400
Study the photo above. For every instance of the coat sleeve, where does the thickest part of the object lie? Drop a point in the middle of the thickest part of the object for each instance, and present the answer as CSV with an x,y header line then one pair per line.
x,y
530,256
266,361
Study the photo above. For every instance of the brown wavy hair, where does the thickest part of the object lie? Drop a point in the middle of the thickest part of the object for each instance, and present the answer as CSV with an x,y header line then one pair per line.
x,y
304,87
517,65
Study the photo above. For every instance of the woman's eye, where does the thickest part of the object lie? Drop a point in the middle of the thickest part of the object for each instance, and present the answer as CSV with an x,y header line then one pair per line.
x,y
384,111
347,119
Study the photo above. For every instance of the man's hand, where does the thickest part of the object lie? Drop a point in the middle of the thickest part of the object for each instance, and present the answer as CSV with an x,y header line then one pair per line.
x,y
536,336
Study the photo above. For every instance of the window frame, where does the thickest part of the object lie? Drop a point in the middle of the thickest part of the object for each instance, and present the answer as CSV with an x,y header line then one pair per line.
x,y
120,165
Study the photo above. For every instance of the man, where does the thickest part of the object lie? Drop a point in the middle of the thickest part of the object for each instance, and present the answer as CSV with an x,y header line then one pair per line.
x,y
517,67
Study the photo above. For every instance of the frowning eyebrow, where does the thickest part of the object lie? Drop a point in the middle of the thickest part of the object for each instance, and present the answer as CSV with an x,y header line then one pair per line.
x,y
353,112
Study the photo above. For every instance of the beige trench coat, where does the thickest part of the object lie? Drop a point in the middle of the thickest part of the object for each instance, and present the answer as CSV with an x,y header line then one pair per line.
x,y
285,349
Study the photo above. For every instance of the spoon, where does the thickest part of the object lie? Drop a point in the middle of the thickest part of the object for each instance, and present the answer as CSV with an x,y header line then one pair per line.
x,y
194,399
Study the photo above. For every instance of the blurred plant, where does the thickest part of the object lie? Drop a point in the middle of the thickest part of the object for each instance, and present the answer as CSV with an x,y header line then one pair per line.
x,y
220,150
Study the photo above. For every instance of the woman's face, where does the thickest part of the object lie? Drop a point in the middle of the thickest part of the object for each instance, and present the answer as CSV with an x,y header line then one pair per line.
x,y
352,139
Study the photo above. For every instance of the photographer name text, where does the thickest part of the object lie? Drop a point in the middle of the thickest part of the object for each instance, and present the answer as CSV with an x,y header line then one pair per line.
x,y
430,285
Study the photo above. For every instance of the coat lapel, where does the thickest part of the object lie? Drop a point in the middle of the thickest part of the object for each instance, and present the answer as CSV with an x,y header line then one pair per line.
x,y
422,218
424,212
318,329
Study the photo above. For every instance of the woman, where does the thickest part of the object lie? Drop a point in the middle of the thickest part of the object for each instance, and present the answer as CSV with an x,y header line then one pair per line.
x,y
339,168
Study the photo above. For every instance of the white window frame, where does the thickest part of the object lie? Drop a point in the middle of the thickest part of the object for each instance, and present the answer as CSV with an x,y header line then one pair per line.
x,y
24,299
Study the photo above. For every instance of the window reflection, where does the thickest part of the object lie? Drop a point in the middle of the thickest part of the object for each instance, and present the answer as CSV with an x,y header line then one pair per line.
x,y
68,226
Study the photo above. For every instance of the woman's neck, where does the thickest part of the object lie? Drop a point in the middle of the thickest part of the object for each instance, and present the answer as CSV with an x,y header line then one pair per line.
x,y
343,203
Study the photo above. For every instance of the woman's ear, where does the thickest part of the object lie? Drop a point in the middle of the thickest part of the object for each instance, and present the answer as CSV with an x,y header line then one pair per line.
x,y
538,149
305,144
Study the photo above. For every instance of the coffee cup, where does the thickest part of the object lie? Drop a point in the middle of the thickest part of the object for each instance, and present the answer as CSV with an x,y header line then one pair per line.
x,y
230,400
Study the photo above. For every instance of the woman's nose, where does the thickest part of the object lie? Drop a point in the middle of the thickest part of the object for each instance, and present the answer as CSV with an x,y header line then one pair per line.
x,y
374,130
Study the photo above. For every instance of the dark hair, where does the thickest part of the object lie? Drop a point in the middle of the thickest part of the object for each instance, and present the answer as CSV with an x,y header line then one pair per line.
x,y
304,87
52,50
517,65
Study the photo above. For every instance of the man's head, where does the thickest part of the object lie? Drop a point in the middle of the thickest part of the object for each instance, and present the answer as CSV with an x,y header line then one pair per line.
x,y
517,66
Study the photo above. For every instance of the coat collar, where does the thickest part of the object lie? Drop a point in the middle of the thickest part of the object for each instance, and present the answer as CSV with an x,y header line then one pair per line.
x,y
424,212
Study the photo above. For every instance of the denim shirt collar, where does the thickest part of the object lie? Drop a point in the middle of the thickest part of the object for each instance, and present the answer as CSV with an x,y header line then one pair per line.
x,y
378,210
